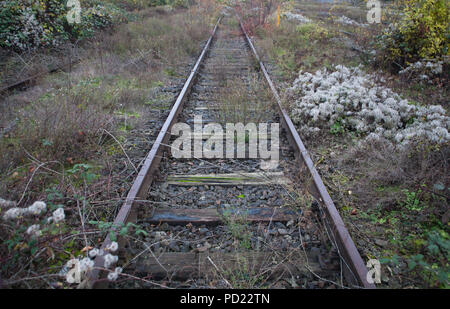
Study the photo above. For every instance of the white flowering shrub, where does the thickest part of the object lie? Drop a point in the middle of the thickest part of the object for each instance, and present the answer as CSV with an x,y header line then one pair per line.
x,y
349,99
26,25
34,230
296,17
13,213
37,208
30,34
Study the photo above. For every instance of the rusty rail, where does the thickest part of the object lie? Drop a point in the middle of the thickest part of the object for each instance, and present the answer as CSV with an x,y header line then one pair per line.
x,y
144,179
354,268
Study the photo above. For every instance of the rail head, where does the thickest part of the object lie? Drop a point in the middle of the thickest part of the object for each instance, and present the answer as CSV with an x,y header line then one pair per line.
x,y
145,176
345,244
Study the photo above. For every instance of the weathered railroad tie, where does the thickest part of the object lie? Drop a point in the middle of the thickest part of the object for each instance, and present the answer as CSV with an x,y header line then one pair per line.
x,y
221,199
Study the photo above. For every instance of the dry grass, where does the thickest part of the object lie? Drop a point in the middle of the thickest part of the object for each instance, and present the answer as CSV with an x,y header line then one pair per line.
x,y
61,124
115,76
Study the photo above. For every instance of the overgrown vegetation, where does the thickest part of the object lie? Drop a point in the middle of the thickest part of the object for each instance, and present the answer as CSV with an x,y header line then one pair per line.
x,y
406,197
68,137
65,137
26,25
291,45
421,33
394,199
295,46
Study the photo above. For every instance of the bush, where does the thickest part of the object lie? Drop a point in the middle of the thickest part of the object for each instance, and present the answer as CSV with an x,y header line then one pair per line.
x,y
312,31
423,32
26,25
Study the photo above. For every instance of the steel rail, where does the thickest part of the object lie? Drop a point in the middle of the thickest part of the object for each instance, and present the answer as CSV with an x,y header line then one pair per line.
x,y
144,179
358,271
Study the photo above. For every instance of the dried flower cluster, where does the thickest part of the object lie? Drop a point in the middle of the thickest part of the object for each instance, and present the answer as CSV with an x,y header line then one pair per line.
x,y
87,263
57,216
34,230
16,212
352,99
79,269
6,204
36,209
110,260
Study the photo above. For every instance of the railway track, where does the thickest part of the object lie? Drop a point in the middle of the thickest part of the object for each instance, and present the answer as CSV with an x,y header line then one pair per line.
x,y
231,221
29,81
